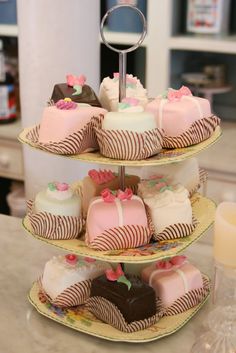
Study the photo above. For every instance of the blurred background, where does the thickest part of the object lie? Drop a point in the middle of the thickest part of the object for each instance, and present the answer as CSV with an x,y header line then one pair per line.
x,y
189,42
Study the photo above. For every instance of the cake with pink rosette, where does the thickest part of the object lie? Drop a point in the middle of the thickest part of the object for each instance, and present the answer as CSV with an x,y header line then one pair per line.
x,y
109,91
117,220
66,279
66,117
56,212
178,284
98,180
184,118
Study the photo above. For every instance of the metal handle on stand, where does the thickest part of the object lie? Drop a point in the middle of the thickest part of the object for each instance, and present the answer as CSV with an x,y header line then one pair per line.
x,y
122,63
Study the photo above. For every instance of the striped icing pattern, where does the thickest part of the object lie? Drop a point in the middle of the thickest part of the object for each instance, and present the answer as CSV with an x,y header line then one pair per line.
x,y
109,313
77,294
54,227
81,141
128,145
125,237
174,231
199,131
189,300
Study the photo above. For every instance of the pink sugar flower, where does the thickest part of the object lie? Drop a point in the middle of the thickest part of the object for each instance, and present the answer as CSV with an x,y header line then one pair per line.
x,y
62,186
107,195
125,195
113,275
71,259
163,265
178,260
89,259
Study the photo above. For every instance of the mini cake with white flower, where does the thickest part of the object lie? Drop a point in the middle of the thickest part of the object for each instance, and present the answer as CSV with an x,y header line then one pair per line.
x,y
66,280
185,119
56,212
109,91
129,133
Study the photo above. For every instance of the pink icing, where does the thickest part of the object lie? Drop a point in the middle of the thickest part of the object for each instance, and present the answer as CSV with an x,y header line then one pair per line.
x,y
62,186
66,105
75,80
125,195
101,176
130,80
89,259
71,259
173,262
113,275
175,95
131,101
161,185
108,196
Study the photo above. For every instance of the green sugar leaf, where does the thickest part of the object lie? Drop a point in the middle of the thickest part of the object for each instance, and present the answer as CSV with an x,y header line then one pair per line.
x,y
51,186
78,90
123,279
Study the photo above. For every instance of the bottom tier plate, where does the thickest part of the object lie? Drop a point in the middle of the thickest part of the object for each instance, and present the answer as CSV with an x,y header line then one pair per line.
x,y
82,320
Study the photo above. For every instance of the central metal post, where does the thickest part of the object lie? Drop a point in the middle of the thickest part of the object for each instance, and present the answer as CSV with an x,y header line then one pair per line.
x,y
122,94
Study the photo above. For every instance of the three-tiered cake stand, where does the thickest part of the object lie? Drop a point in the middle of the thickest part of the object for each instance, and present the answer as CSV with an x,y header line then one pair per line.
x,y
79,318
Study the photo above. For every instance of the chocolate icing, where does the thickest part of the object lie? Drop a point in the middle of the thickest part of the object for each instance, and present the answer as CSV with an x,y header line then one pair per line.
x,y
135,304
62,90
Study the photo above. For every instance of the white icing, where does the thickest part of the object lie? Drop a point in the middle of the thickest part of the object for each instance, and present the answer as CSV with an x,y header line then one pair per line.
x,y
137,122
59,195
131,109
169,208
59,207
59,275
120,212
109,92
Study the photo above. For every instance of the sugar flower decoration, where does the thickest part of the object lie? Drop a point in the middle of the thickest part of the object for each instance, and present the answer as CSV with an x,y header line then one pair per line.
x,y
117,275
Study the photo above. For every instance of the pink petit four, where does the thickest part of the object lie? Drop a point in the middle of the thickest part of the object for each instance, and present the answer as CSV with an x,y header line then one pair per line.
x,y
171,279
98,180
177,110
65,118
115,210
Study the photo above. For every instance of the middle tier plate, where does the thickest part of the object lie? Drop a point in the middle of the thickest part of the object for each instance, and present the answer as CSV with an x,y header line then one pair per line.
x,y
203,210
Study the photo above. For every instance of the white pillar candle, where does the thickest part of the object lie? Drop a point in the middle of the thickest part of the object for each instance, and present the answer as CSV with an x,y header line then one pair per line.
x,y
225,234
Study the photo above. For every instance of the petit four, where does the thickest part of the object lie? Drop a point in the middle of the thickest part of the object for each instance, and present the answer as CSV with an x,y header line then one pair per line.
x,y
184,118
186,173
56,212
117,220
172,278
65,118
123,301
98,180
130,133
109,91
66,280
75,89
58,199
169,207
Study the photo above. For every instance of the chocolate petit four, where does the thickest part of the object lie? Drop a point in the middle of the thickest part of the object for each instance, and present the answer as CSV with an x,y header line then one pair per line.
x,y
76,90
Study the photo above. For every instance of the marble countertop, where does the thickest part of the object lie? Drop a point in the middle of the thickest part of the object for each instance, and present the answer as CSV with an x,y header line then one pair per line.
x,y
24,330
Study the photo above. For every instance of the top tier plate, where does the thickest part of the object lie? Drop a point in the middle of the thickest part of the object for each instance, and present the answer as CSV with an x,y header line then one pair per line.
x,y
164,157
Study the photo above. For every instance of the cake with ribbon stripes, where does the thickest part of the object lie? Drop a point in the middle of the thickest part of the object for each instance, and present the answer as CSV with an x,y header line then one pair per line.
x,y
117,220
185,119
